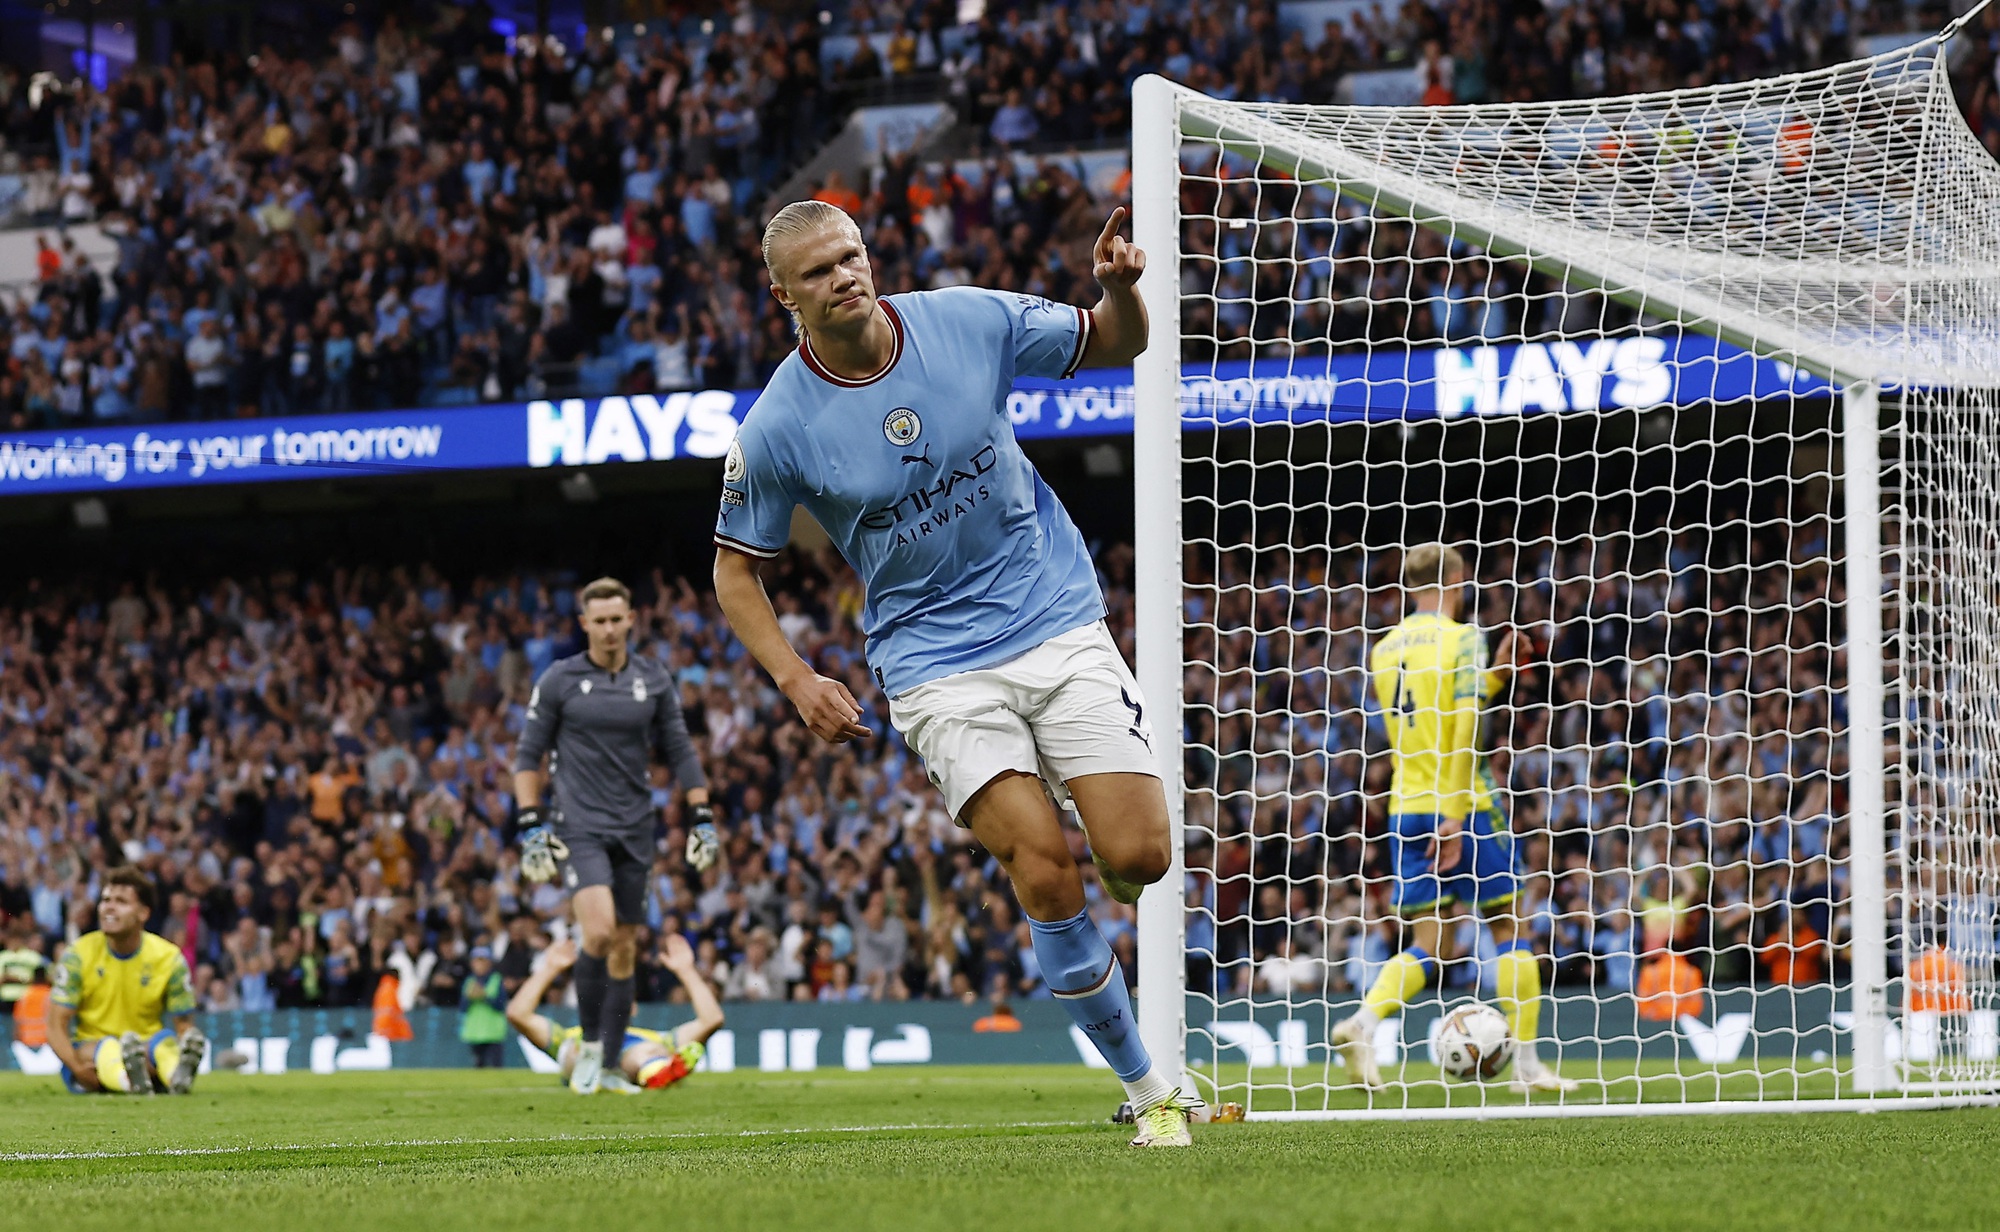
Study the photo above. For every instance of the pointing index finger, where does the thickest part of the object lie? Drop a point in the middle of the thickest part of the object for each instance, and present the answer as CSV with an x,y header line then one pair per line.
x,y
1111,225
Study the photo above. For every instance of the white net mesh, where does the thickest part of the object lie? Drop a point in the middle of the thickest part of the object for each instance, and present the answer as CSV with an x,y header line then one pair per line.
x,y
1943,539
1598,347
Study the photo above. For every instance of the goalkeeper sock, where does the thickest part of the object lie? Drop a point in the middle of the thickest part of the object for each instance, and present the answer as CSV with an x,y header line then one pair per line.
x,y
1518,982
590,980
1086,978
617,1017
1401,979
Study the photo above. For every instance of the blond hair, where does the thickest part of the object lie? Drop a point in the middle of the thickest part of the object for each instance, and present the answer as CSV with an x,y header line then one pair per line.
x,y
800,217
1432,566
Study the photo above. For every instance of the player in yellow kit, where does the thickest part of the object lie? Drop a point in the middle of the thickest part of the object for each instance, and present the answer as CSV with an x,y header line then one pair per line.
x,y
113,990
1449,844
647,1060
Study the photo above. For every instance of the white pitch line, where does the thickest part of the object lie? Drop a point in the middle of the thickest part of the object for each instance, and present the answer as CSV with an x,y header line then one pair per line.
x,y
30,1157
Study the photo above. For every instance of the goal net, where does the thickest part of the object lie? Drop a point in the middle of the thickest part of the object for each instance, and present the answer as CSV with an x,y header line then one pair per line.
x,y
1702,388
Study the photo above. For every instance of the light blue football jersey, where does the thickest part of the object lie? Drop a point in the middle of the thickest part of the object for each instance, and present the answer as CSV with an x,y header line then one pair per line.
x,y
968,558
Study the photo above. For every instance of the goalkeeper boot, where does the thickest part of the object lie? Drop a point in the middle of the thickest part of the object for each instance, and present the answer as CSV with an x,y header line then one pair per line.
x,y
1533,1075
194,1046
1355,1040
1166,1123
1117,887
589,1069
132,1049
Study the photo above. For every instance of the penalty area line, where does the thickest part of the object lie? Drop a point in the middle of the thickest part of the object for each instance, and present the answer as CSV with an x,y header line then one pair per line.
x,y
185,1152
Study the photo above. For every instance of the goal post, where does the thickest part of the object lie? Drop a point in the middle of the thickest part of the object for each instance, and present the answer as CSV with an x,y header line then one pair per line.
x,y
1705,387
1861,438
1156,453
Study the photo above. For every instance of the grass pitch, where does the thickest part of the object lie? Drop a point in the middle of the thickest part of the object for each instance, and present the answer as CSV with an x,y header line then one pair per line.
x,y
938,1148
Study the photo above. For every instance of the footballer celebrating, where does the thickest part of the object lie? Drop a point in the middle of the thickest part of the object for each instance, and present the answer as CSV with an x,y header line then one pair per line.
x,y
600,717
984,623
113,990
1448,842
646,1060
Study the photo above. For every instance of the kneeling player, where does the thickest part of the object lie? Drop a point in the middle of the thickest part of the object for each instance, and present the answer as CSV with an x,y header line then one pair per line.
x,y
649,1060
1448,840
111,992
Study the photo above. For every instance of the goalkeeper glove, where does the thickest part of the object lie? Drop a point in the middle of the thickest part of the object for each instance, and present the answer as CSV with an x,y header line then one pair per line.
x,y
541,850
703,843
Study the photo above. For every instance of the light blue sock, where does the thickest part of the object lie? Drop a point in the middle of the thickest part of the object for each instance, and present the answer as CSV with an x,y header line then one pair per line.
x,y
1086,978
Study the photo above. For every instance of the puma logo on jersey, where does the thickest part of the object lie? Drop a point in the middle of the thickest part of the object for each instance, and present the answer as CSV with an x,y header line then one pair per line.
x,y
924,457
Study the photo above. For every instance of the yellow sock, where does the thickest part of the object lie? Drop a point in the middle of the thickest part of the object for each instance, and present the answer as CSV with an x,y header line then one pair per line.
x,y
110,1061
1402,978
1518,981
165,1049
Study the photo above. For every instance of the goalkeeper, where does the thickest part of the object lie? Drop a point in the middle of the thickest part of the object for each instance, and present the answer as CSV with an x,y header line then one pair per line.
x,y
112,989
647,1060
1431,677
599,717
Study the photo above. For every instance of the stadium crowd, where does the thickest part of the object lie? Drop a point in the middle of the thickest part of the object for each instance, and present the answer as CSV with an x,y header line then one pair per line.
x,y
316,768
441,215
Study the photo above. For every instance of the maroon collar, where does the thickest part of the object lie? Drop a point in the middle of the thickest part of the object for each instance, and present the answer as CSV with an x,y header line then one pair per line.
x,y
821,371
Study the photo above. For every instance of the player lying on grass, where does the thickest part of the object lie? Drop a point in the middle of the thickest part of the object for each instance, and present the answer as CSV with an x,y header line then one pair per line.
x,y
649,1060
1431,678
112,990
984,621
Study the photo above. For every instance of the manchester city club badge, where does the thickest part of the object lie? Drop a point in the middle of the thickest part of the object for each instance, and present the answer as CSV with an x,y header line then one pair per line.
x,y
902,426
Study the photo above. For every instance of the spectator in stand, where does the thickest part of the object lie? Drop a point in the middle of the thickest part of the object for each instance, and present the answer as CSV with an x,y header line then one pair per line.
x,y
483,1021
208,366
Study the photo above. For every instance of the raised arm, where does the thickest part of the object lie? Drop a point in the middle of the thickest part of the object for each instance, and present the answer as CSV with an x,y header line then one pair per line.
x,y
524,1006
1514,650
824,703
707,1010
1118,323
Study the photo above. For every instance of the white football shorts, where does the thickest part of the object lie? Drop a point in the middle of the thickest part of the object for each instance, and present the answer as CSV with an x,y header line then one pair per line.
x,y
1065,709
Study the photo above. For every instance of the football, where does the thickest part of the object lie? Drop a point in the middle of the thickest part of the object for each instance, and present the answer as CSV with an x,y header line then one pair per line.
x,y
1473,1042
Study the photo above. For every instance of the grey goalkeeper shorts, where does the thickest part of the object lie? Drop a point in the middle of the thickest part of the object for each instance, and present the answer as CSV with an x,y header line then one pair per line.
x,y
621,861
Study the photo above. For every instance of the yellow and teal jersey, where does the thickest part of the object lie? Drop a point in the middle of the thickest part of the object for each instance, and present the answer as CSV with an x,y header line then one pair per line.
x,y
113,993
562,1037
668,1066
1430,676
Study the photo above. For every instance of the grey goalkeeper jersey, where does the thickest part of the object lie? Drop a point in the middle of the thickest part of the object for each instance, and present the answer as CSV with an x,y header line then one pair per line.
x,y
602,731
